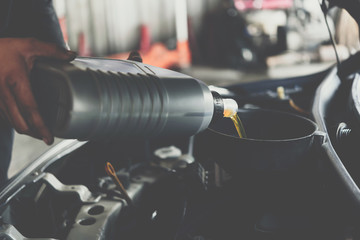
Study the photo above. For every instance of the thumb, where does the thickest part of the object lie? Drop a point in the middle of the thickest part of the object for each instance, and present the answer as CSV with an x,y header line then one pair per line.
x,y
51,50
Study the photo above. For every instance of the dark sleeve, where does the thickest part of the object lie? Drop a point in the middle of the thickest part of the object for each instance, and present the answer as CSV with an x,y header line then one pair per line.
x,y
30,18
352,6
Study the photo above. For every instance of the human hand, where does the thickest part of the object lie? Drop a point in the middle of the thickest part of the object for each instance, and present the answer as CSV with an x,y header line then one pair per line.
x,y
17,103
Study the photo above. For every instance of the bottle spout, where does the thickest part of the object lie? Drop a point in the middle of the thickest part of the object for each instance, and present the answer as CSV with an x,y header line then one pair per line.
x,y
223,107
230,107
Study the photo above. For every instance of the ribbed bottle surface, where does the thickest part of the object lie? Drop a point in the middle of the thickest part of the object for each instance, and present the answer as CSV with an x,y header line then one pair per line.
x,y
95,99
129,104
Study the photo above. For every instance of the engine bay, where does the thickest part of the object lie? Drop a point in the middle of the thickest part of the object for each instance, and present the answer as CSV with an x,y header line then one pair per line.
x,y
179,189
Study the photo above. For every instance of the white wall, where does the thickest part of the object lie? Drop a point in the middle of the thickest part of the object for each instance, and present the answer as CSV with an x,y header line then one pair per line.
x,y
113,26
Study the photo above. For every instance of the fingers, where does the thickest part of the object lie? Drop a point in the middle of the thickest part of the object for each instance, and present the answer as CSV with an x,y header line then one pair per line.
x,y
36,48
17,102
12,111
28,108
20,108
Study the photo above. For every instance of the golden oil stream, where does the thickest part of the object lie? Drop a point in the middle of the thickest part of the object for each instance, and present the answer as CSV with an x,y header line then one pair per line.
x,y
238,125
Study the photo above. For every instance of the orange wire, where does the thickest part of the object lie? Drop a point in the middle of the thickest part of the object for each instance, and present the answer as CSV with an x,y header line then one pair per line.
x,y
111,172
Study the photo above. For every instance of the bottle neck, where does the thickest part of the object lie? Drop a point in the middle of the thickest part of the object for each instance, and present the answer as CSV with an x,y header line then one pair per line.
x,y
223,107
218,107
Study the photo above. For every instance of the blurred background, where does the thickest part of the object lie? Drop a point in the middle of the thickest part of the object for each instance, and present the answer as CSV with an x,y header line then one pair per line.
x,y
233,34
221,42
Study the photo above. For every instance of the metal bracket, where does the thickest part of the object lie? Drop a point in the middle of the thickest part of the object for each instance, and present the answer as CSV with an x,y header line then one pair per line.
x,y
84,194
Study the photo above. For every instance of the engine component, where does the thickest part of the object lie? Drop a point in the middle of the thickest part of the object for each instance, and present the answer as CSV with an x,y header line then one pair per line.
x,y
81,191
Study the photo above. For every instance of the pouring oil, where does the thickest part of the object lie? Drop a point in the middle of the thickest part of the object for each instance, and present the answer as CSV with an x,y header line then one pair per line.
x,y
238,125
230,111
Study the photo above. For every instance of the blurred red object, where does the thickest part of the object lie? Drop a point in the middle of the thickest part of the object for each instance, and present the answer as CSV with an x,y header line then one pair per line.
x,y
158,55
242,5
62,22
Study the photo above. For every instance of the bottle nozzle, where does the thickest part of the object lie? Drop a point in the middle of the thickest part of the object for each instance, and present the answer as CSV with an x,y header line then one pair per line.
x,y
223,107
227,108
230,107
